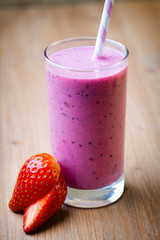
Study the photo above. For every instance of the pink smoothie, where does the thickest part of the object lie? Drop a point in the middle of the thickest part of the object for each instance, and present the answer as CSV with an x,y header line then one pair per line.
x,y
87,116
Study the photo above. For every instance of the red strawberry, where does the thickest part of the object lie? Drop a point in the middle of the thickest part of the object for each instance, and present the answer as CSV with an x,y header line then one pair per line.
x,y
38,213
36,179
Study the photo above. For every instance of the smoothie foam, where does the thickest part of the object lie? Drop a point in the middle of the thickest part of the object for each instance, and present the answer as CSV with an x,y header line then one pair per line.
x,y
87,116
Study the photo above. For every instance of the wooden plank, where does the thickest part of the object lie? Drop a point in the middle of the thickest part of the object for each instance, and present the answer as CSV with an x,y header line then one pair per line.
x,y
24,131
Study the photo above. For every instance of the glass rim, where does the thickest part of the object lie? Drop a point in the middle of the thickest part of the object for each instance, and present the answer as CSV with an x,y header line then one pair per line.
x,y
54,44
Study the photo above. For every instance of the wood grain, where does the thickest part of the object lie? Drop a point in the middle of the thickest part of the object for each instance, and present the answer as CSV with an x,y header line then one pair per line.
x,y
24,131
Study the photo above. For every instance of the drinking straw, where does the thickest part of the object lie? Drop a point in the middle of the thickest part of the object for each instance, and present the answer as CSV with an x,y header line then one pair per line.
x,y
102,32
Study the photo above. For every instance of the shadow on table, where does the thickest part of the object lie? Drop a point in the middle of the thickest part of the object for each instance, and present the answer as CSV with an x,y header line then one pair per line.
x,y
141,197
147,194
56,219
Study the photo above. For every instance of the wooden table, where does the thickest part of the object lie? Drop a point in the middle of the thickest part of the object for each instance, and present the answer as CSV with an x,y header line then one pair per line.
x,y
24,131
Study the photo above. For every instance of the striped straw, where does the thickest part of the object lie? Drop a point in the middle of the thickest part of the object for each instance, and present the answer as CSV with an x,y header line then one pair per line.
x,y
102,32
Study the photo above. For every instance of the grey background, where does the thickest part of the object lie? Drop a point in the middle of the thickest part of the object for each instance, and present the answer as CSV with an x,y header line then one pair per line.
x,y
8,3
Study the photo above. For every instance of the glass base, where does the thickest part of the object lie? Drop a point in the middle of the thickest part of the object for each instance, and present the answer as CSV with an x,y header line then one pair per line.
x,y
96,197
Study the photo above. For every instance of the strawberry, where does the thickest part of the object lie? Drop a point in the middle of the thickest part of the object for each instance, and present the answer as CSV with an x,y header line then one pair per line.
x,y
36,178
39,212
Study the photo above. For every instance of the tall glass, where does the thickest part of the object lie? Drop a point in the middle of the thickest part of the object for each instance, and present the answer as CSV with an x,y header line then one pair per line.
x,y
87,123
